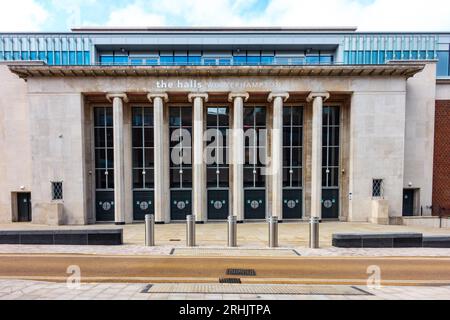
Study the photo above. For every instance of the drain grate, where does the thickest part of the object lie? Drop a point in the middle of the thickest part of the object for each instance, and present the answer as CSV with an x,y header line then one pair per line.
x,y
230,280
241,272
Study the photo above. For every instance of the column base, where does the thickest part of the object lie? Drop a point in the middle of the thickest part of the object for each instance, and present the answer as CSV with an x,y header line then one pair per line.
x,y
199,222
160,222
119,223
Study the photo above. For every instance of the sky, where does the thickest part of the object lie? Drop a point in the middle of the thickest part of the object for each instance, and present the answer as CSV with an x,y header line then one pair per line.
x,y
367,15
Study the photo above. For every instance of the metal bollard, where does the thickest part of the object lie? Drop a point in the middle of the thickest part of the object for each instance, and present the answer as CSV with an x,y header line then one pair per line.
x,y
314,233
190,231
273,232
232,231
150,230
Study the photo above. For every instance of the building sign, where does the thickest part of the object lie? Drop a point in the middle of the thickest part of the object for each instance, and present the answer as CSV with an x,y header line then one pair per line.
x,y
227,84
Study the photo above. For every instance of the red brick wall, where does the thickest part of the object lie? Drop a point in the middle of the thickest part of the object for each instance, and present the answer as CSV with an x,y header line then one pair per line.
x,y
441,174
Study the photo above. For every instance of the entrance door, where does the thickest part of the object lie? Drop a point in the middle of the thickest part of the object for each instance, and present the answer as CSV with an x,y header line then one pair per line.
x,y
330,162
292,162
180,124
143,204
408,203
104,206
255,162
292,204
104,164
218,204
24,207
217,167
330,204
180,204
255,204
143,162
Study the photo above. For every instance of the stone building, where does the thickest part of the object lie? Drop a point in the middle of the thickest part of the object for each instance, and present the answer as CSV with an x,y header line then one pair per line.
x,y
108,125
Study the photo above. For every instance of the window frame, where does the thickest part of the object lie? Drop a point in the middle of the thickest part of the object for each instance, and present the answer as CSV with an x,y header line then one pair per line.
x,y
218,167
143,148
291,147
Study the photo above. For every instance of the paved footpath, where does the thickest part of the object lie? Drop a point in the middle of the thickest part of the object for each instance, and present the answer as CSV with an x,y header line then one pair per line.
x,y
32,290
135,250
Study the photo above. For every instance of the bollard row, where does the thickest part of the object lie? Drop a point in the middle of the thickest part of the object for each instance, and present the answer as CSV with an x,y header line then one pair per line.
x,y
232,231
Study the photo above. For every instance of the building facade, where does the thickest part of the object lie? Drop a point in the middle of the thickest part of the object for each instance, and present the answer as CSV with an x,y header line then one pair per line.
x,y
108,125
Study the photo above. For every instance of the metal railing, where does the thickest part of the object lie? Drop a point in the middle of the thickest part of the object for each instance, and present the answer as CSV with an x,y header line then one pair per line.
x,y
223,63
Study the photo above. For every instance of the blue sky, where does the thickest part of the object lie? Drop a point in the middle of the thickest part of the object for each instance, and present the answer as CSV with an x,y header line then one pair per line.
x,y
373,15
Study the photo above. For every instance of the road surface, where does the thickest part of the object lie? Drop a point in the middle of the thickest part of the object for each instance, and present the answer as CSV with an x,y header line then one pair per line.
x,y
296,270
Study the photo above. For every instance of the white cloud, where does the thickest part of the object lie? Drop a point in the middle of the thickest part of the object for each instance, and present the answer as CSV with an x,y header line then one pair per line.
x,y
187,13
377,15
374,15
135,16
22,15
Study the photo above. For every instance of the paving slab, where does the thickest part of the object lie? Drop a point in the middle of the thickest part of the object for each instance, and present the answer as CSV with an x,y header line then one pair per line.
x,y
13,290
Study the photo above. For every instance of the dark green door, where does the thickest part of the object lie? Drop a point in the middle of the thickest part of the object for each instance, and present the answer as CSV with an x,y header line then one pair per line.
x,y
330,203
24,207
292,204
181,204
255,204
105,206
408,203
218,204
143,204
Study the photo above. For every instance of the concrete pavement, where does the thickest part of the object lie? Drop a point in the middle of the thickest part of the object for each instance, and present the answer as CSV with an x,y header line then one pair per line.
x,y
35,290
250,235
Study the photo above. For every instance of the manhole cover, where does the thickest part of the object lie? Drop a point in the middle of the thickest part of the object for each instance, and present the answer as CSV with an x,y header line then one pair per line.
x,y
230,280
241,272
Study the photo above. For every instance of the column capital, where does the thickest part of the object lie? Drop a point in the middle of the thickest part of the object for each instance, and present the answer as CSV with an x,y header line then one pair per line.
x,y
325,96
243,95
192,96
161,95
273,95
121,95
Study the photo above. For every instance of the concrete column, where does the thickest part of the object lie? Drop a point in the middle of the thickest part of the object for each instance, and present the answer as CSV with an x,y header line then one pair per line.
x,y
162,195
277,153
238,100
119,156
199,166
318,99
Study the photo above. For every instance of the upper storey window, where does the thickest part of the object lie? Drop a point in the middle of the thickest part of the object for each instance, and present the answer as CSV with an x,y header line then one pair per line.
x,y
241,58
381,48
51,49
443,66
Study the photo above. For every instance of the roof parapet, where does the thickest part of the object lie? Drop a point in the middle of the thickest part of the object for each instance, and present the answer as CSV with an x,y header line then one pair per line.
x,y
212,29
